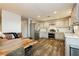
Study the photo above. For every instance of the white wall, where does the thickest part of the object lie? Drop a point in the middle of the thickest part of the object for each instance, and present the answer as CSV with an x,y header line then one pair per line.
x,y
29,25
0,22
11,22
75,13
24,26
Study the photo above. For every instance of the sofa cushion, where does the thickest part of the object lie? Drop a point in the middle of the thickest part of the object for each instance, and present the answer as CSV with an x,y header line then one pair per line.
x,y
8,36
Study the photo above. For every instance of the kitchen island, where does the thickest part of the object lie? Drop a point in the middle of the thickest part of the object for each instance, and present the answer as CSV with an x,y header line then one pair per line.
x,y
10,47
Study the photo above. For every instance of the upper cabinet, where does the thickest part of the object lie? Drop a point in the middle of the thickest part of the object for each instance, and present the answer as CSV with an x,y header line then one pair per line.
x,y
75,13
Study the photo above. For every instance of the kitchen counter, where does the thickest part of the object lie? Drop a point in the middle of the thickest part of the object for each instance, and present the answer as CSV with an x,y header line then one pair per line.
x,y
71,35
12,45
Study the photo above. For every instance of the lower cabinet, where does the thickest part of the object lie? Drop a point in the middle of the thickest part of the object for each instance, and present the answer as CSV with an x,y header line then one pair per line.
x,y
18,52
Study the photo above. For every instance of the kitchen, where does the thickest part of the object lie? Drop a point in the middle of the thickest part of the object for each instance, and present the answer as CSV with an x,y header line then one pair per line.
x,y
64,29
41,31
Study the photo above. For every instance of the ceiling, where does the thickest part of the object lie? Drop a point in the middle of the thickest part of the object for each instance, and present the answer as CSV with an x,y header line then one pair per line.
x,y
39,11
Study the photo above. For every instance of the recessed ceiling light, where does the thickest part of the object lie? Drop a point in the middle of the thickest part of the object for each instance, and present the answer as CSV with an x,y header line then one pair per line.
x,y
54,12
38,16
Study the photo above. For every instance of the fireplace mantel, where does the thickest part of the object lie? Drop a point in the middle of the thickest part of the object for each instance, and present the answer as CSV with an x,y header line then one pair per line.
x,y
71,40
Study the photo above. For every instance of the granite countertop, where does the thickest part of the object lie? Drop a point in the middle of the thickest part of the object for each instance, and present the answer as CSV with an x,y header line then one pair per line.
x,y
71,35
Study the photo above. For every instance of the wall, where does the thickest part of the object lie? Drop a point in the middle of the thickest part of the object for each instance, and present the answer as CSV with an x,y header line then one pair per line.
x,y
0,22
75,13
32,32
11,22
29,26
24,26
75,18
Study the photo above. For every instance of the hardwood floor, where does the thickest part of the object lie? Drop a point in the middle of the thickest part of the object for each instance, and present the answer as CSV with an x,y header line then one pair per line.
x,y
49,47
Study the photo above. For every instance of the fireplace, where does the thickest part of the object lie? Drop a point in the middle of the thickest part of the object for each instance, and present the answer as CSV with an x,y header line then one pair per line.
x,y
74,51
72,45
